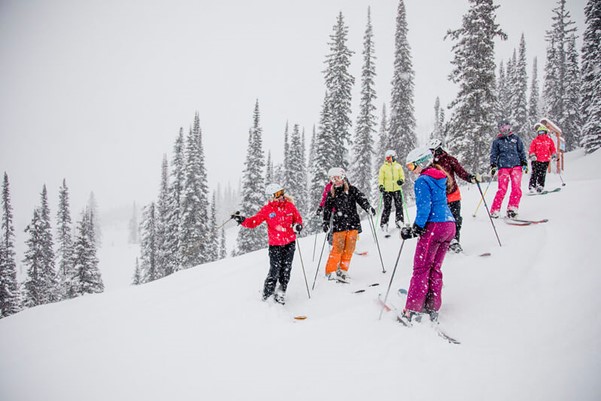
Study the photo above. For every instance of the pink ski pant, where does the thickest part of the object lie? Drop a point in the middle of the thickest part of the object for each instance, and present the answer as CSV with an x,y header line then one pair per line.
x,y
425,289
505,174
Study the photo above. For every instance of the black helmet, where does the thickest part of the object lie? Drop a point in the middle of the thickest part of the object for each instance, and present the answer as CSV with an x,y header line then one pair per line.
x,y
504,126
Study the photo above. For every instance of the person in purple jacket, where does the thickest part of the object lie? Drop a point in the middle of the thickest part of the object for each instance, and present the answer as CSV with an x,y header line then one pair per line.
x,y
435,226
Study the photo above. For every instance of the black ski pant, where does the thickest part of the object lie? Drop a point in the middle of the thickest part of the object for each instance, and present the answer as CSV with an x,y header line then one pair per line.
x,y
387,198
280,264
455,207
539,173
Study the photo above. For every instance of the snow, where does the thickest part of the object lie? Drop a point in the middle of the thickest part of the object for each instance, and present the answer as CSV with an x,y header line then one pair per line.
x,y
527,317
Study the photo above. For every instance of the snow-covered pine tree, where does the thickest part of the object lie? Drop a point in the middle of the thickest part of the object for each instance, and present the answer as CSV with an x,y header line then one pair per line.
x,y
472,124
269,169
401,129
93,211
438,131
222,247
176,190
288,174
253,189
591,78
137,279
148,245
194,231
64,240
9,287
213,245
363,144
381,147
297,171
555,85
518,94
163,213
41,284
534,113
502,102
572,124
85,261
134,235
339,84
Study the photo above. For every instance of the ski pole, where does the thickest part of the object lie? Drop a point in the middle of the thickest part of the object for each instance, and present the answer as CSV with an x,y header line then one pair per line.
x,y
563,184
225,222
406,217
480,201
314,246
391,278
488,211
300,255
325,237
376,239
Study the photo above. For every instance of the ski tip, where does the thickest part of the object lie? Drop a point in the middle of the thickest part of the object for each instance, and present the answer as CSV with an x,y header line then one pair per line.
x,y
485,254
359,291
300,317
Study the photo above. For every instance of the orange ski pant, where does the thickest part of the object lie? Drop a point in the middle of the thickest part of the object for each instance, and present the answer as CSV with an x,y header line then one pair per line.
x,y
343,247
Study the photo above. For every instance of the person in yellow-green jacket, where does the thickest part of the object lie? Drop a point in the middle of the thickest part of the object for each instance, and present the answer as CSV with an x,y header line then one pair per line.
x,y
390,179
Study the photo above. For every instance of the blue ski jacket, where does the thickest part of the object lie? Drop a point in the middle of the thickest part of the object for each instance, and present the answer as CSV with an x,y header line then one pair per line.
x,y
508,151
431,197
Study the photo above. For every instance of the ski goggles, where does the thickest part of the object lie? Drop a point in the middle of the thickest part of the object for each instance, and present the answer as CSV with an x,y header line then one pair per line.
x,y
411,166
278,194
542,131
337,178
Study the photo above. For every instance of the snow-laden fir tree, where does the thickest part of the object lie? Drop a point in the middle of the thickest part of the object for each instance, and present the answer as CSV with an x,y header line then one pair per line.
x,y
85,261
363,144
93,211
176,190
439,123
378,157
213,246
297,171
401,129
253,189
194,229
502,102
163,213
222,246
572,123
556,69
64,242
518,94
269,175
148,245
472,124
134,235
137,278
339,84
591,78
40,284
534,113
9,287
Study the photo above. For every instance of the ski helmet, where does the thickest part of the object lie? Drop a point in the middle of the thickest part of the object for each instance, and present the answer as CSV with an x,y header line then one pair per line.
x,y
542,129
434,144
274,190
419,157
336,172
390,153
504,127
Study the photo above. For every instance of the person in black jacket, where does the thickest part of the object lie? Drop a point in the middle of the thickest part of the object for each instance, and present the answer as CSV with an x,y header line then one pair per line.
x,y
341,205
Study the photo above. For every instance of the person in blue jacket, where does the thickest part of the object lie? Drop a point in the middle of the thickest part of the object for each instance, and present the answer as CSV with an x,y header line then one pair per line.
x,y
435,226
508,157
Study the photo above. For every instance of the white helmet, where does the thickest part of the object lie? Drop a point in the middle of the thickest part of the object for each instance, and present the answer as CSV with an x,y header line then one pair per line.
x,y
336,172
272,189
389,153
419,157
434,144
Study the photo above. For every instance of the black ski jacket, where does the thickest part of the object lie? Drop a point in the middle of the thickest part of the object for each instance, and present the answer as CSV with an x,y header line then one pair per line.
x,y
345,216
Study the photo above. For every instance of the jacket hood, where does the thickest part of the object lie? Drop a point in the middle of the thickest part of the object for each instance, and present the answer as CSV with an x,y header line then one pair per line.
x,y
434,173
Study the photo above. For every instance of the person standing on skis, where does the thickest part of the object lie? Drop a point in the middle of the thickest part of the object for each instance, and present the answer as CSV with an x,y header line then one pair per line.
x,y
542,151
508,156
435,226
451,166
341,206
284,222
390,180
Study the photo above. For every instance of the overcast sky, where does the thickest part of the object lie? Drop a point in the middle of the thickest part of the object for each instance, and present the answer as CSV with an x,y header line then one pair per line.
x,y
95,91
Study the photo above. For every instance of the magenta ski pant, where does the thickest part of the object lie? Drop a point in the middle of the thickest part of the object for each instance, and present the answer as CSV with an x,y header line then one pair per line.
x,y
425,289
505,175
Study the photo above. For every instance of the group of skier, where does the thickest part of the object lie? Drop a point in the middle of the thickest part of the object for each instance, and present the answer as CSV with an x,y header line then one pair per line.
x,y
438,218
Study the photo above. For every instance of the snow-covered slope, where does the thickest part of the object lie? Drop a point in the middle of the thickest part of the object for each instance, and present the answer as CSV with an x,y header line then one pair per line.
x,y
527,316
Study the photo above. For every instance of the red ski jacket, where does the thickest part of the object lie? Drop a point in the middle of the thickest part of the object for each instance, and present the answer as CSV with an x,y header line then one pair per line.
x,y
279,216
542,147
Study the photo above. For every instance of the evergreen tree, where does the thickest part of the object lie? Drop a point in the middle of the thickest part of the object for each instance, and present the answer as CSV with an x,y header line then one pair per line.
x,y
253,189
95,223
401,129
363,144
137,279
222,247
213,247
472,124
502,108
9,288
572,123
518,94
195,206
134,235
534,113
176,190
339,85
381,148
297,171
85,261
41,283
269,174
163,213
556,69
438,132
149,245
65,243
591,78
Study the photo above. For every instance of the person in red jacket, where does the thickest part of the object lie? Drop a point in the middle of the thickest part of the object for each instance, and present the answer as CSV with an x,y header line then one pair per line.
x,y
451,166
542,150
283,223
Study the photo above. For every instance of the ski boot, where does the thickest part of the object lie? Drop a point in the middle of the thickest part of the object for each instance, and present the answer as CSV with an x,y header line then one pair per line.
x,y
455,246
512,214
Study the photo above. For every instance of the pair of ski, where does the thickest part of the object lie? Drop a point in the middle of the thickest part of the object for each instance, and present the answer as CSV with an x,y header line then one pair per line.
x,y
545,192
522,222
435,325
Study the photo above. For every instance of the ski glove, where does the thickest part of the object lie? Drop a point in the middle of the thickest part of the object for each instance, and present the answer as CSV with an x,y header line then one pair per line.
x,y
475,178
297,228
381,187
554,156
239,219
400,182
524,166
318,211
493,170
373,211
412,232
325,226
532,157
